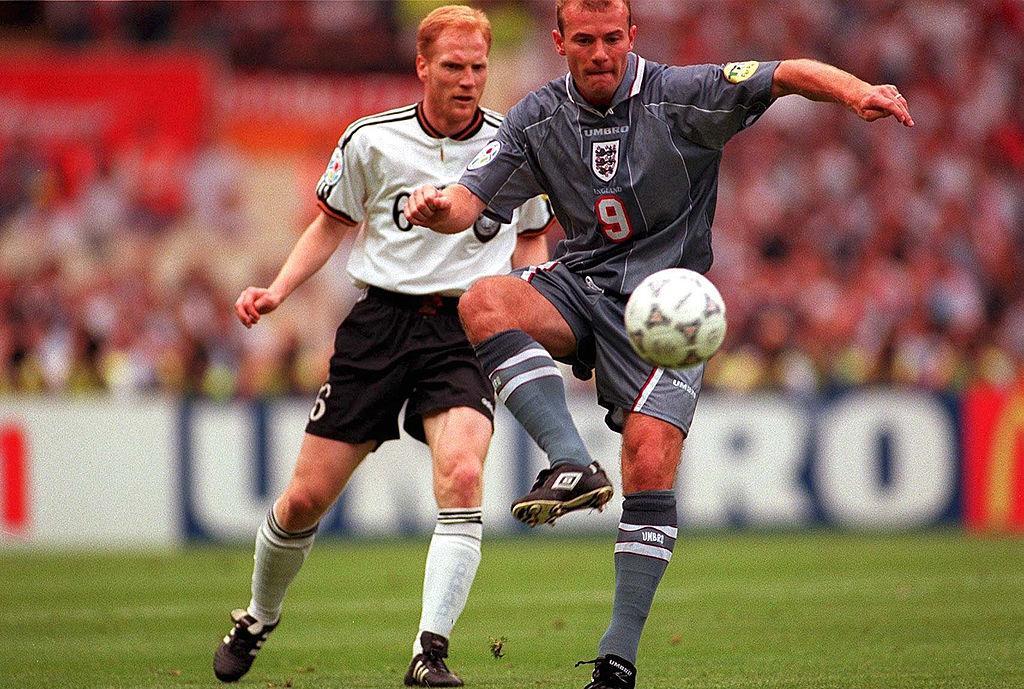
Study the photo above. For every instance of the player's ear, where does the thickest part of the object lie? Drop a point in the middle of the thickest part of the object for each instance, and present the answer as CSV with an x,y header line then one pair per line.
x,y
421,67
632,36
559,41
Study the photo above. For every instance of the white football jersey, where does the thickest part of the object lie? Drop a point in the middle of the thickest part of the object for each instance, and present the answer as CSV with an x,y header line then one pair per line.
x,y
379,161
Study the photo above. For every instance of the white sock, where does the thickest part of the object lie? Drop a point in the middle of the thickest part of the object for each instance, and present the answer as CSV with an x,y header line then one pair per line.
x,y
452,560
279,556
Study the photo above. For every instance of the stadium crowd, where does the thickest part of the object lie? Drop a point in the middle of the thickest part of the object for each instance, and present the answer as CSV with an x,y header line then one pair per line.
x,y
847,254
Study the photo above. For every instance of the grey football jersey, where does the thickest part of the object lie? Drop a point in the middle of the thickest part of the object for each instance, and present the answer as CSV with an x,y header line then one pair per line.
x,y
633,186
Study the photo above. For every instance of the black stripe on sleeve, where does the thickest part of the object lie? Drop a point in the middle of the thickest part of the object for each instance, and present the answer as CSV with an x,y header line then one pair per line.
x,y
335,214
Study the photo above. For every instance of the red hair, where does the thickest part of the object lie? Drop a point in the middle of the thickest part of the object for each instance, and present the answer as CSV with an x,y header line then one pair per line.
x,y
451,17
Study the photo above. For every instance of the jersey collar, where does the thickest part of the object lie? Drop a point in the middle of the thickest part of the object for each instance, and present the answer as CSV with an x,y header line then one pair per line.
x,y
628,87
468,132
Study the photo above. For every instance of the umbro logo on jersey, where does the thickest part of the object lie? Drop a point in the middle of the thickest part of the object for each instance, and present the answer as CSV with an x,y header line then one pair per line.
x,y
567,481
604,159
606,131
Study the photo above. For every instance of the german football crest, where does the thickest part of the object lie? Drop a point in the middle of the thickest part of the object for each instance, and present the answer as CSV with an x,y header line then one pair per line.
x,y
604,159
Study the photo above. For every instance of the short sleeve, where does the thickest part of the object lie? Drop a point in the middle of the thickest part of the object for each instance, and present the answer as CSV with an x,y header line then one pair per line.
x,y
341,191
534,216
500,174
711,103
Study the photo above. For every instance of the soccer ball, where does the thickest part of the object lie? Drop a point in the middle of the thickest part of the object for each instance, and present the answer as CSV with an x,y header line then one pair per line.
x,y
675,318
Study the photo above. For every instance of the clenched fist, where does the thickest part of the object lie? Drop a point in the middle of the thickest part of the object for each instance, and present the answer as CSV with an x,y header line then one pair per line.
x,y
427,206
253,302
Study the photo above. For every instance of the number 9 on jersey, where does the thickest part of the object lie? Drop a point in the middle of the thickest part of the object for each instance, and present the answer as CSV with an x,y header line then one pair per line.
x,y
612,218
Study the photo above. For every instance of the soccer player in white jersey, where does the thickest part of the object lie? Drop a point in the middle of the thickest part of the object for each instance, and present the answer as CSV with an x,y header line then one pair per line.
x,y
628,151
402,343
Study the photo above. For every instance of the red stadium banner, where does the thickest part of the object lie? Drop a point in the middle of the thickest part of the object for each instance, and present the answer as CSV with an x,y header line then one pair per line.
x,y
274,114
108,99
13,479
141,113
994,459
114,100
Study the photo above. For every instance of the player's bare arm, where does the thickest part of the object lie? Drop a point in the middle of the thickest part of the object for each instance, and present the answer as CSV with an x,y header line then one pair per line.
x,y
449,210
821,82
318,241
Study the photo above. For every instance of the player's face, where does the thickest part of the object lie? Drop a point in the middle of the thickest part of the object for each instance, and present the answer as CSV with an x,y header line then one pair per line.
x,y
596,46
454,74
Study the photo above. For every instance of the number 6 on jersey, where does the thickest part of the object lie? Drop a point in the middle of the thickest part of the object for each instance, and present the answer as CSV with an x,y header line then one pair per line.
x,y
612,218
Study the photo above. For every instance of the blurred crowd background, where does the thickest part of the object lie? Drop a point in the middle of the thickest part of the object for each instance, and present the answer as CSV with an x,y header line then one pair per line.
x,y
847,253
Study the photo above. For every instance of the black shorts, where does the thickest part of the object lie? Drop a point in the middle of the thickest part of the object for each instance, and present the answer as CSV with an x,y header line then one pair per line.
x,y
394,348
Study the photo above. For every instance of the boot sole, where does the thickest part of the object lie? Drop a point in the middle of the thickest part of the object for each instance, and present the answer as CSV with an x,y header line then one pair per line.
x,y
534,512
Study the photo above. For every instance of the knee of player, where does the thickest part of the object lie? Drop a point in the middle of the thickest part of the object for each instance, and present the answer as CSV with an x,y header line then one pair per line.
x,y
459,479
479,301
470,303
300,506
649,462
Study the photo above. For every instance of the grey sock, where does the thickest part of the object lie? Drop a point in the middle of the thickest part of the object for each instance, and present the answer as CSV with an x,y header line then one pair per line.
x,y
526,379
647,534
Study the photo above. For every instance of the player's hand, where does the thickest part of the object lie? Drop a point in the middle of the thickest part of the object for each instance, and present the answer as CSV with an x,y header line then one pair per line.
x,y
886,100
427,205
253,302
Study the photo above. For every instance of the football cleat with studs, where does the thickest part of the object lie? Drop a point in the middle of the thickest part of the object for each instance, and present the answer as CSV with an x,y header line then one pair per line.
x,y
611,672
236,652
562,489
428,669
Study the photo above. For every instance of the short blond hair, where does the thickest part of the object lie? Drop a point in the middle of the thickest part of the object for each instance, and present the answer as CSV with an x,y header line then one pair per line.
x,y
592,6
451,17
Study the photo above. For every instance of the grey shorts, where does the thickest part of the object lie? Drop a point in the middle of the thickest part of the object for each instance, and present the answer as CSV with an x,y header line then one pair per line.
x,y
625,382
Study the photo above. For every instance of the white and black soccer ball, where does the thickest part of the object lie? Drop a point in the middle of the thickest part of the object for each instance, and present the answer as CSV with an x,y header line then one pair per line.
x,y
675,318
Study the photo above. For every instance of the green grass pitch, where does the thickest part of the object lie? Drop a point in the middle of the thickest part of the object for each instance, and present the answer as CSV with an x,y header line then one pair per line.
x,y
819,610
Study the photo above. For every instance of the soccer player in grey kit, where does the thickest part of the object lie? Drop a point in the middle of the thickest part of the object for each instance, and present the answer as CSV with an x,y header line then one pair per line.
x,y
628,152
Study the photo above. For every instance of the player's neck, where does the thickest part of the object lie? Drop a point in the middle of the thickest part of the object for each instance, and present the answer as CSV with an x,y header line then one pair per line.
x,y
595,100
439,120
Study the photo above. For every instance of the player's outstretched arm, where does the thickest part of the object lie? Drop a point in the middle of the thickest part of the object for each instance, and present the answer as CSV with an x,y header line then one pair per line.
x,y
821,82
447,210
318,241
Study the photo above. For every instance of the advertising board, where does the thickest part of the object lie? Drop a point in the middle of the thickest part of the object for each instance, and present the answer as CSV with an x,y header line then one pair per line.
x,y
163,471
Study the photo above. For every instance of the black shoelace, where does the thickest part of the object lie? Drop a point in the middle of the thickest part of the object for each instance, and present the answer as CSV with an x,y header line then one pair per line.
x,y
593,662
434,661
